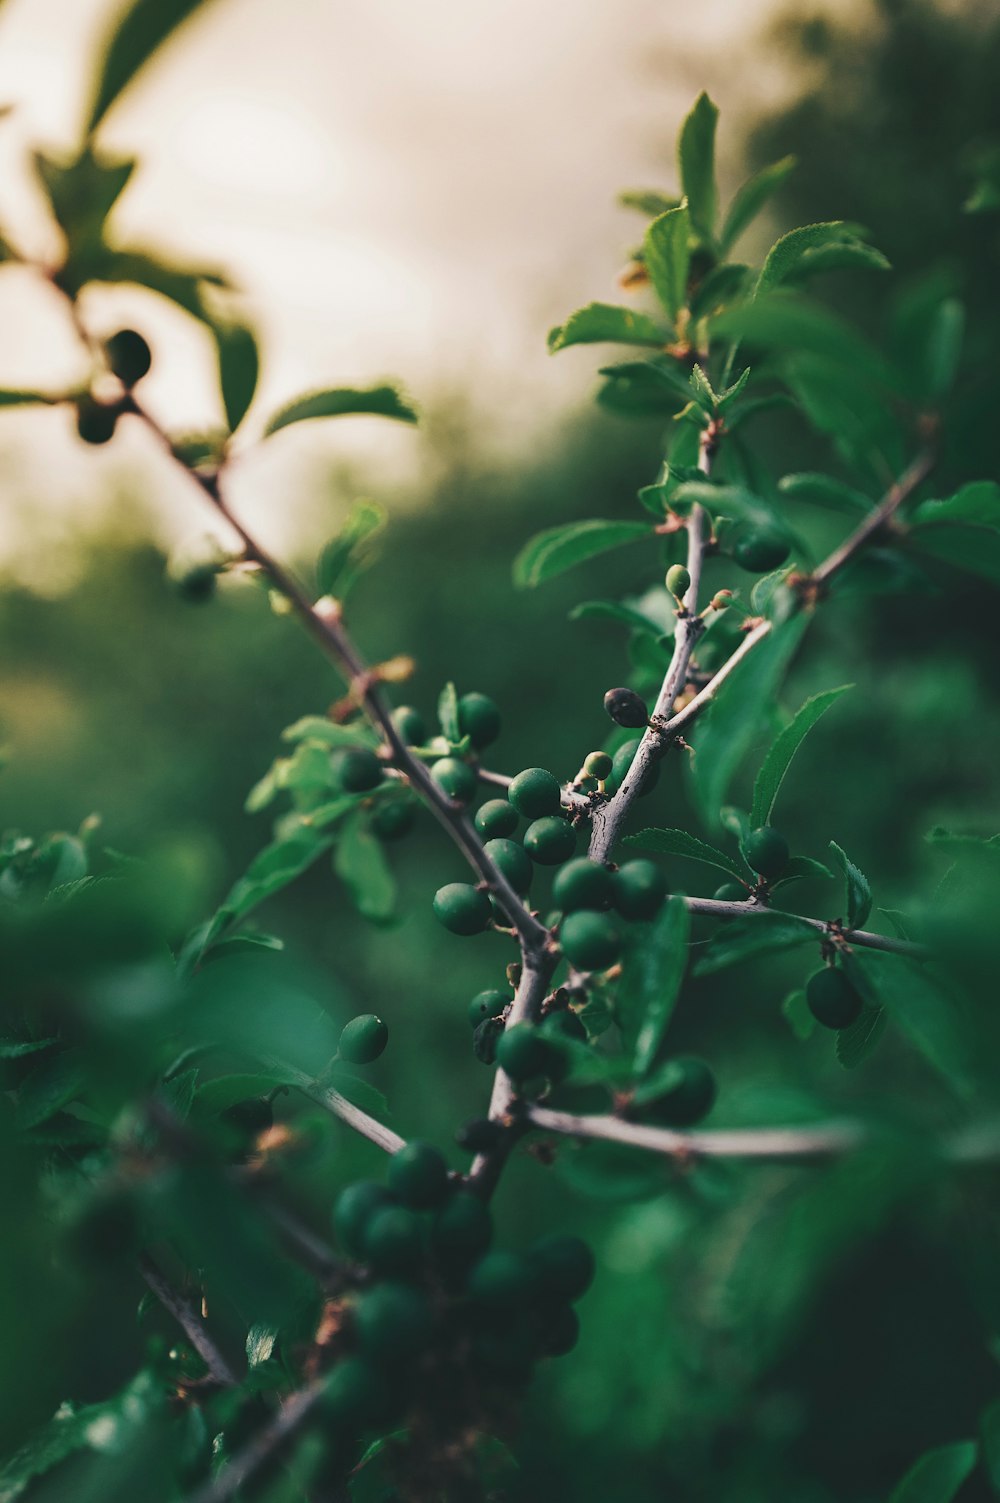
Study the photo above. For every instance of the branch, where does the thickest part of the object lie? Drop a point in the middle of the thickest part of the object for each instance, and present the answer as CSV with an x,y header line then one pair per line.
x,y
290,1418
189,1321
915,473
863,937
740,1143
362,1122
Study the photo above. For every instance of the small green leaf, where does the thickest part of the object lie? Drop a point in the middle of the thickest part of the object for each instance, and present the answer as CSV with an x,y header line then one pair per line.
x,y
680,843
696,162
826,491
938,1475
319,728
922,1006
239,367
447,710
359,1091
795,1010
857,1041
347,555
602,323
360,863
645,388
18,1048
559,548
260,1343
757,934
815,247
668,256
182,285
655,973
722,286
799,869
378,401
859,892
751,198
783,749
648,201
138,33
51,1084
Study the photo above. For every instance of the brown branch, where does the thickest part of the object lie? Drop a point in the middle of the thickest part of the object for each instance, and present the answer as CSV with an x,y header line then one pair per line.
x,y
913,476
716,908
294,1413
743,1143
189,1321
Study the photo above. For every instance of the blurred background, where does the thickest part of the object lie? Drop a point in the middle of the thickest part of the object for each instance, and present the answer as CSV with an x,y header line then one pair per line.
x,y
422,191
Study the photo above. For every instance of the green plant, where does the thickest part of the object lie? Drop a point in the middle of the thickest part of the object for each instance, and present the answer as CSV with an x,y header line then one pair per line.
x,y
144,1067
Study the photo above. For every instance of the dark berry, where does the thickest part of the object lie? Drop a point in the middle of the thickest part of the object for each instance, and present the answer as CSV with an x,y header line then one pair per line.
x,y
502,1279
550,840
353,1209
359,770
560,1331
488,1004
479,1135
462,1230
524,1053
589,940
731,892
626,708
457,778
394,819
766,851
129,356
198,583
639,889
485,1040
363,1039
462,908
393,1241
564,1265
534,793
582,884
393,1323
760,549
495,818
513,861
354,1393
95,421
410,725
687,1100
479,719
832,999
418,1174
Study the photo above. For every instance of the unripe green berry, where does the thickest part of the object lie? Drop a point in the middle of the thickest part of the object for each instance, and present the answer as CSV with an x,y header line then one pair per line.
x,y
589,940
766,851
462,909
722,600
550,840
394,818
524,1053
496,818
457,778
760,549
197,583
393,1242
564,1265
626,708
564,1023
832,999
479,719
394,1323
678,581
353,1394
639,889
352,1211
479,1135
418,1174
95,421
488,1004
622,763
731,892
129,356
359,770
597,764
582,884
410,724
535,793
462,1230
685,1102
363,1039
502,1279
513,861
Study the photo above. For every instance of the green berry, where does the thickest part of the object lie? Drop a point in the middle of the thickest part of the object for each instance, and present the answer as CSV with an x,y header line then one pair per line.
x,y
485,1040
550,840
564,1266
564,1023
560,1331
479,719
197,583
410,724
462,908
394,1323
832,999
129,356
590,940
353,1393
488,1004
678,581
622,762
760,549
479,1135
353,1209
582,884
363,1039
597,764
513,861
418,1174
359,770
534,793
496,818
462,1230
731,892
95,421
688,1099
458,779
766,851
524,1053
393,1241
626,708
502,1279
639,889
393,819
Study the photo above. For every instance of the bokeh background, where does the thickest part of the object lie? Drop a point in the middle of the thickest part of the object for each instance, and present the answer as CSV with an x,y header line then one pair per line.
x,y
422,191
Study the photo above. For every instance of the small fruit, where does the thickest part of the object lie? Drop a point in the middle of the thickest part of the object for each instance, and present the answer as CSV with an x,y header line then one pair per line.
x,y
590,940
582,883
410,724
564,1265
95,421
129,356
393,819
462,909
622,762
353,1393
462,1230
626,708
678,581
550,840
393,1242
488,1004
760,549
485,1040
534,793
479,719
597,764
456,778
639,889
496,818
731,892
513,861
832,999
359,770
479,1135
363,1039
393,1322
564,1023
766,851
353,1209
502,1279
524,1053
197,583
688,1099
418,1174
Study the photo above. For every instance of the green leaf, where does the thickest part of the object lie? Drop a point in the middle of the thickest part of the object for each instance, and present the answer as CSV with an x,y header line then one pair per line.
x,y
138,33
613,610
938,1475
239,367
731,724
815,247
696,160
359,1091
25,398
751,198
795,1010
680,843
757,934
328,732
787,323
600,323
858,888
648,201
943,348
653,978
783,749
826,491
378,401
799,869
559,548
275,867
919,1003
182,285
347,555
668,257
857,1041
51,1084
645,388
18,1048
214,1096
361,865
989,1425
964,529
723,285
447,711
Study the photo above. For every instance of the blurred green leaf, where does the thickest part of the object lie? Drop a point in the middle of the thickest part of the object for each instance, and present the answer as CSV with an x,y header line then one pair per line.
x,y
651,983
758,934
858,1039
599,323
138,32
783,749
989,1425
799,869
560,548
696,161
645,388
722,286
816,247
931,1016
938,1475
361,864
825,490
751,198
239,367
795,1010
347,555
49,1086
668,256
649,201
680,843
377,401
963,530
858,896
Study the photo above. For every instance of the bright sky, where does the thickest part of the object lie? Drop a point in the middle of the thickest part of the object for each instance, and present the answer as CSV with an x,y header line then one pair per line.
x,y
409,189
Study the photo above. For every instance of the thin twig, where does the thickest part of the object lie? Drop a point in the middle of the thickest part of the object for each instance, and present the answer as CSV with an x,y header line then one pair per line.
x,y
716,908
189,1321
745,1143
354,1116
915,473
290,1418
